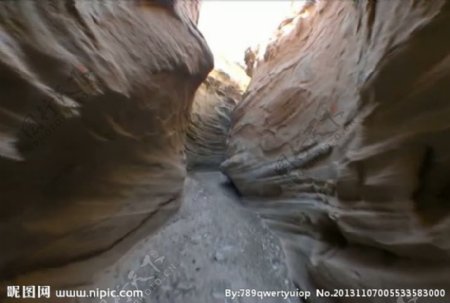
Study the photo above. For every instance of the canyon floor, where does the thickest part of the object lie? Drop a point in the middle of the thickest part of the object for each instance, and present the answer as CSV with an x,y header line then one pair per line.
x,y
212,244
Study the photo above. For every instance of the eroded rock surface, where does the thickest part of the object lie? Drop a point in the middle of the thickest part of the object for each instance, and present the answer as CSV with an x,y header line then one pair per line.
x,y
95,98
210,120
341,143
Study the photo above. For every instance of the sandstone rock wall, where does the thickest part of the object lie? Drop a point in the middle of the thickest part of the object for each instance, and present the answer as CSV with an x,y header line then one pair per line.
x,y
210,120
94,103
341,144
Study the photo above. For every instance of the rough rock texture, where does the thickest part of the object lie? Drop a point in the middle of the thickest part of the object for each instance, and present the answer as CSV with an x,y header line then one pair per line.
x,y
94,103
210,121
342,144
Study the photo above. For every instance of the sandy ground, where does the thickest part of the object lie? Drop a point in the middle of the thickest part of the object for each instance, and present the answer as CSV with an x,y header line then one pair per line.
x,y
210,245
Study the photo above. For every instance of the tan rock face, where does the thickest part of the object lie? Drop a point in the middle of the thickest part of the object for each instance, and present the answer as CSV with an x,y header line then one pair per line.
x,y
341,143
94,102
210,121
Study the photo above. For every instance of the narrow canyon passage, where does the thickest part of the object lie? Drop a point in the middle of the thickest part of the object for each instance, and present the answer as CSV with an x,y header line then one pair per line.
x,y
156,147
212,244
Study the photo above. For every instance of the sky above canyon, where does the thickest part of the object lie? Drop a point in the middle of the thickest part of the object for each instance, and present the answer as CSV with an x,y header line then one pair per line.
x,y
231,26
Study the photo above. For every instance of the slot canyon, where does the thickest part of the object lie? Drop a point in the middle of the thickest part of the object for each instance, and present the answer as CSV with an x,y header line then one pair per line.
x,y
133,157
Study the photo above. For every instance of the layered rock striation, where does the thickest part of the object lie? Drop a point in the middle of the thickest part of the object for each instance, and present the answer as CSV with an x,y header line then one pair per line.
x,y
341,143
94,102
211,118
